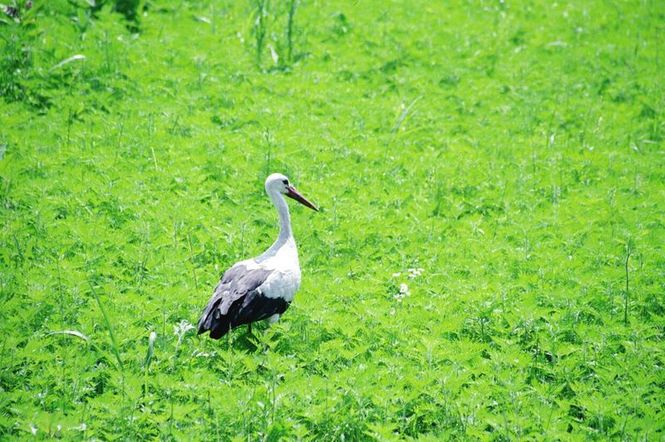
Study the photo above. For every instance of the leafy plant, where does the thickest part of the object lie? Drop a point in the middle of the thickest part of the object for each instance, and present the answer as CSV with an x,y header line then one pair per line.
x,y
487,263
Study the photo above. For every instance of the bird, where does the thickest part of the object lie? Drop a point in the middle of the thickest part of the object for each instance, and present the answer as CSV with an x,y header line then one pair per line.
x,y
261,287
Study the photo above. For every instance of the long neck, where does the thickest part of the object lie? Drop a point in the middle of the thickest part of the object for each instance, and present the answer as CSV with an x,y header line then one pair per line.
x,y
284,217
285,233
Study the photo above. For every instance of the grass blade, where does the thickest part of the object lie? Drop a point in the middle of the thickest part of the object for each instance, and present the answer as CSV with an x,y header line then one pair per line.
x,y
107,322
151,350
74,333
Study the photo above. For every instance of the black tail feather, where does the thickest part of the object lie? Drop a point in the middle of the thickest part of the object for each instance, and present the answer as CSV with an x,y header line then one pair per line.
x,y
208,317
243,310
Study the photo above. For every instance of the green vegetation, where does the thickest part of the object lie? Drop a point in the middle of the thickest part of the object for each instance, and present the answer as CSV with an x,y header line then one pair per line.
x,y
513,151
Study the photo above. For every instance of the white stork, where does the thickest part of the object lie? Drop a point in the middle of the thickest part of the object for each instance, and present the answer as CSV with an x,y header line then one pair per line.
x,y
261,287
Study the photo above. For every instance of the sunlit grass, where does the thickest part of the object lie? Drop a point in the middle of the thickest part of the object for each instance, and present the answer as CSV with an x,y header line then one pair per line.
x,y
488,262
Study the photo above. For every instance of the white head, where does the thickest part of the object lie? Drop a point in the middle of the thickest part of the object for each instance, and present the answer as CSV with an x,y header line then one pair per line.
x,y
278,183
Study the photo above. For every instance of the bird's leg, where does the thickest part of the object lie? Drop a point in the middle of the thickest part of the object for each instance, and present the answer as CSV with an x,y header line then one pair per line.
x,y
249,328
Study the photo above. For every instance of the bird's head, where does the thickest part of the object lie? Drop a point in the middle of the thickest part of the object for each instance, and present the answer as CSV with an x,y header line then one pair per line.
x,y
281,184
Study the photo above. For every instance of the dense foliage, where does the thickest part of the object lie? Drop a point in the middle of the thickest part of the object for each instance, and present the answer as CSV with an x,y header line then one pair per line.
x,y
489,262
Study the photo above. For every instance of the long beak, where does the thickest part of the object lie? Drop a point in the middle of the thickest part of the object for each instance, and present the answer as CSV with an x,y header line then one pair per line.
x,y
291,192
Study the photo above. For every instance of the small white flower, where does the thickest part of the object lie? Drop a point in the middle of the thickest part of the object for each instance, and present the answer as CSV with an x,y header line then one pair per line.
x,y
404,290
33,429
415,272
397,274
81,427
180,329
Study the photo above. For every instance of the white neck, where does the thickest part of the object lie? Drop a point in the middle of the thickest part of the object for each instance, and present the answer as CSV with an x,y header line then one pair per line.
x,y
285,233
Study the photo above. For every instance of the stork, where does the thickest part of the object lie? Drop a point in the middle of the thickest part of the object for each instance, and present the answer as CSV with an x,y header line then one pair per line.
x,y
261,287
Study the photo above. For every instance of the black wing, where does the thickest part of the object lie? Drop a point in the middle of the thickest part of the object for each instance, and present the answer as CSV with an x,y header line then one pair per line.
x,y
237,301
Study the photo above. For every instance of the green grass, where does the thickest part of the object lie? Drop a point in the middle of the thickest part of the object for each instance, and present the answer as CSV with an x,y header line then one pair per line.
x,y
513,151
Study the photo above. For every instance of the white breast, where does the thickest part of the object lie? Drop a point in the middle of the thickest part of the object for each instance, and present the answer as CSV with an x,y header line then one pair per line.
x,y
281,285
284,281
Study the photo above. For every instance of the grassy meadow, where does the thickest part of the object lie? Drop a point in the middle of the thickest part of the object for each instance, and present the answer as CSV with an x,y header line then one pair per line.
x,y
488,264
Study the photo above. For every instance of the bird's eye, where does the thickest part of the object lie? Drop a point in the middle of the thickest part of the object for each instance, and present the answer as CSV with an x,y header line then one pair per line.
x,y
286,182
